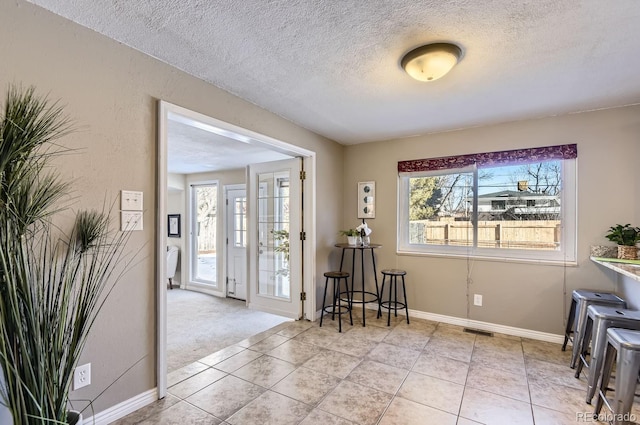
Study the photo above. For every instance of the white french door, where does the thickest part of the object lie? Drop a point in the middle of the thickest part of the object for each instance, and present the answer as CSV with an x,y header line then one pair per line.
x,y
275,248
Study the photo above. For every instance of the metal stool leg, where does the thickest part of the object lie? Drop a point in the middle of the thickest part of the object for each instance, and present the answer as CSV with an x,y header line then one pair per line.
x,y
627,368
364,305
584,349
346,283
406,304
384,277
606,377
375,277
395,296
390,287
324,299
570,320
598,347
336,299
333,310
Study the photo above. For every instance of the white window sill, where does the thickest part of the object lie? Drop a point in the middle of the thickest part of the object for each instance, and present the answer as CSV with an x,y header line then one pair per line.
x,y
490,258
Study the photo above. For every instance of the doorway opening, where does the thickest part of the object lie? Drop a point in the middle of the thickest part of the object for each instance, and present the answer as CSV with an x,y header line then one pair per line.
x,y
217,262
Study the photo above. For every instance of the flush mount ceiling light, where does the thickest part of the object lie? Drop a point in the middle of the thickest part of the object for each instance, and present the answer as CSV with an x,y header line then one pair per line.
x,y
431,61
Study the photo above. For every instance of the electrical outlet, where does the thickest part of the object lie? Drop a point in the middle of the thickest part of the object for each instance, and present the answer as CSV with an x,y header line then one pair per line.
x,y
477,300
82,376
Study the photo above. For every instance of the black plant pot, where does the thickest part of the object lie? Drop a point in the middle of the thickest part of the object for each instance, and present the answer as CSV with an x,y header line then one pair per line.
x,y
74,417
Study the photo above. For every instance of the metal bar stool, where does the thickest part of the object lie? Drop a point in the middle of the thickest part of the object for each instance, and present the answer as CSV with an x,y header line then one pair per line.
x,y
337,301
599,319
624,345
581,299
393,303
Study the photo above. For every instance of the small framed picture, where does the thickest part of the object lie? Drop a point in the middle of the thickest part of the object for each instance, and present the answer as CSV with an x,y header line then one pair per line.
x,y
173,225
366,199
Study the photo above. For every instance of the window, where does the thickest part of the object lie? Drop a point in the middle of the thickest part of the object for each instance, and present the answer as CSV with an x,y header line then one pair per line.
x,y
498,205
515,204
240,222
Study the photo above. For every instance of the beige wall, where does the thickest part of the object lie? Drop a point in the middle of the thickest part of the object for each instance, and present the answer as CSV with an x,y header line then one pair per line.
x,y
515,294
112,91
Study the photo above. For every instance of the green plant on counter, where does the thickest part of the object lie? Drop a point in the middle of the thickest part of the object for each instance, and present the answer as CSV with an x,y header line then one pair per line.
x,y
624,235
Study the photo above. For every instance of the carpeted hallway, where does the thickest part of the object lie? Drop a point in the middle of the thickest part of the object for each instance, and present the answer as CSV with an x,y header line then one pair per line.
x,y
200,324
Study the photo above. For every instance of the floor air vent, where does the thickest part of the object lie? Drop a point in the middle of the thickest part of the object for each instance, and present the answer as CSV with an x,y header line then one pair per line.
x,y
478,332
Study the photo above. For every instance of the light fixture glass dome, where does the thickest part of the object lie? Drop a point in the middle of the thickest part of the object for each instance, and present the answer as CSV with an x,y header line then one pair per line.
x,y
432,61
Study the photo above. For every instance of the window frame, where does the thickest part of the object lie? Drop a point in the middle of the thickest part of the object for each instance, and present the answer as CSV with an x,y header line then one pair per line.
x,y
566,254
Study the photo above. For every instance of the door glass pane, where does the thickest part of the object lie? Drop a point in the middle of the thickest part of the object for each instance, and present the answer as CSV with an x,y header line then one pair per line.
x,y
205,208
240,222
273,235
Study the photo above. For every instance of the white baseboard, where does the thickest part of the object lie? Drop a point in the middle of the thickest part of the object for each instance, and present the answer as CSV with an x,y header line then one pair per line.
x,y
476,324
121,410
486,326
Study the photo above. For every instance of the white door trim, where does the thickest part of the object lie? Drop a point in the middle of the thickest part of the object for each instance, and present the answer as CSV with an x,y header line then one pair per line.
x,y
226,219
166,110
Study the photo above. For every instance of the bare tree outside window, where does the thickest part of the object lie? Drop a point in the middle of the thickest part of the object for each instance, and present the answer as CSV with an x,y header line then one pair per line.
x,y
518,207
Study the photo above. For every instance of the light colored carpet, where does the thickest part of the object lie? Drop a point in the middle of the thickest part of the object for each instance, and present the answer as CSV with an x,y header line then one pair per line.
x,y
200,324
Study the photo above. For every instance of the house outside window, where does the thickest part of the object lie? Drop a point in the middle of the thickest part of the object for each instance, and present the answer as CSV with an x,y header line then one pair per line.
x,y
522,208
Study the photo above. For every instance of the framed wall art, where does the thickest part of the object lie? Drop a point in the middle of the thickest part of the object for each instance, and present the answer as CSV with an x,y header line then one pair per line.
x,y
173,226
366,199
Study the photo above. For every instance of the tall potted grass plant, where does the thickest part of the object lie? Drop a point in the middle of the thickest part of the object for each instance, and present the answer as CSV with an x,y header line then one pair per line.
x,y
53,282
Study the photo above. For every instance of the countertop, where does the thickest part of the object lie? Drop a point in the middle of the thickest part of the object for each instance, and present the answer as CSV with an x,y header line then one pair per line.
x,y
631,270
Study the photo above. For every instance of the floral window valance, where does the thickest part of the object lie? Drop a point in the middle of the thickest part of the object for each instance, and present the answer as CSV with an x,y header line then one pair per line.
x,y
489,159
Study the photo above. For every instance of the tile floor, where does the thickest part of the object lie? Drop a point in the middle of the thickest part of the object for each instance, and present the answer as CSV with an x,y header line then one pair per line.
x,y
423,373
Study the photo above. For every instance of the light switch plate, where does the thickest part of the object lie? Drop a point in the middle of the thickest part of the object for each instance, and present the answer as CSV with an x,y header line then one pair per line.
x,y
130,220
130,200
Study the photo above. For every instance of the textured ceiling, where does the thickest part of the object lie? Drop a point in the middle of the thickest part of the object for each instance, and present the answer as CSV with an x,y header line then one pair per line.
x,y
333,66
193,149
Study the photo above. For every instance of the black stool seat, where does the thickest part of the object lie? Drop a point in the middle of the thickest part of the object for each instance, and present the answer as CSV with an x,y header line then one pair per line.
x,y
392,302
336,306
394,272
334,275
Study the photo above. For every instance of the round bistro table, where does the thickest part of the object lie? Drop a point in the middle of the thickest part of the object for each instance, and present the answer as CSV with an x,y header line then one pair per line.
x,y
367,297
